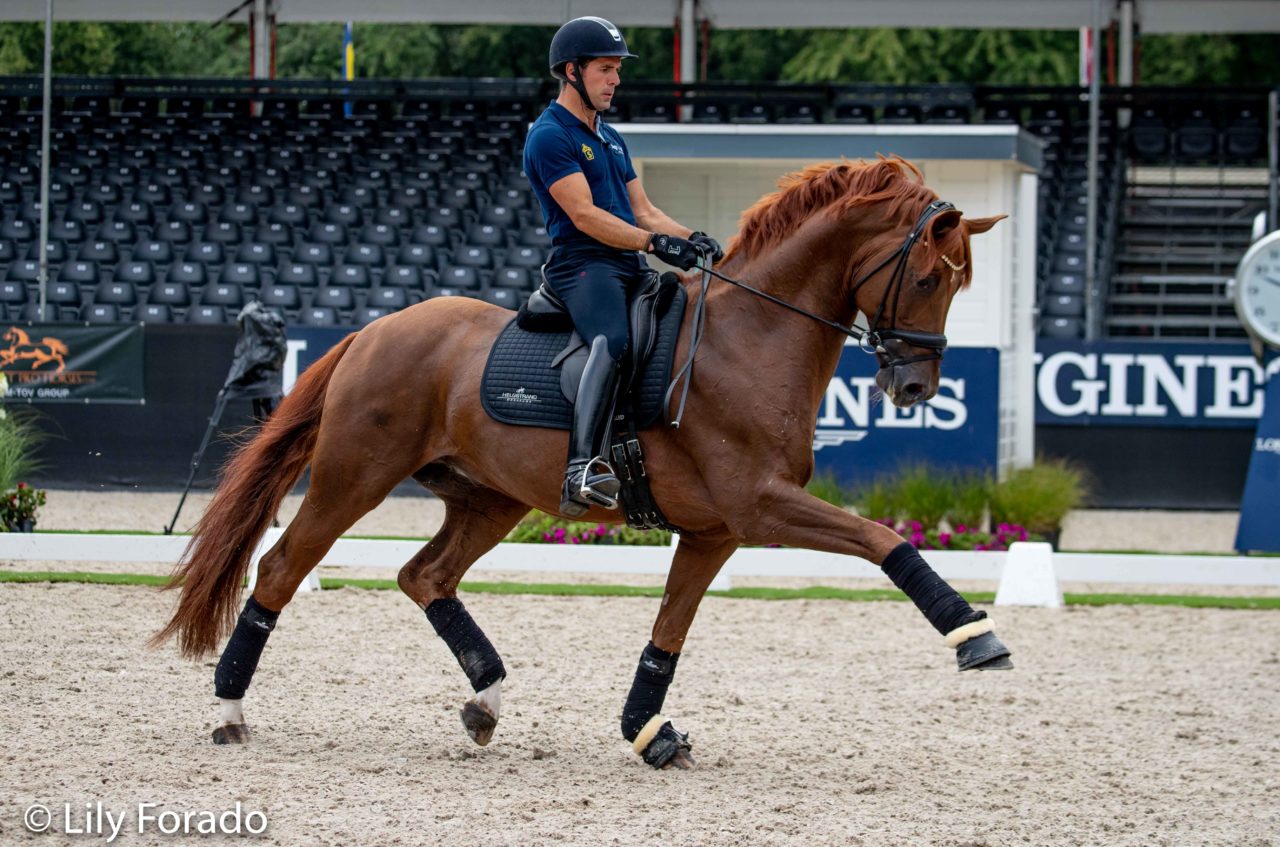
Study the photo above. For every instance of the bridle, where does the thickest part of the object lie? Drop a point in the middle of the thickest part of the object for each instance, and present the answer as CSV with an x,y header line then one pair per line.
x,y
870,340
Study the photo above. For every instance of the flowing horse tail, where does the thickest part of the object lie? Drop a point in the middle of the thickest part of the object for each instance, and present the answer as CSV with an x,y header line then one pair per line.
x,y
254,482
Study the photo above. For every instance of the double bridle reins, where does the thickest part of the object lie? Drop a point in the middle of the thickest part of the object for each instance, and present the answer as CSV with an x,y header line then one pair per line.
x,y
870,340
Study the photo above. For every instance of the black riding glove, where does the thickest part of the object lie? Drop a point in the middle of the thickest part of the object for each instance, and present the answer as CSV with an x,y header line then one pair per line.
x,y
709,245
675,251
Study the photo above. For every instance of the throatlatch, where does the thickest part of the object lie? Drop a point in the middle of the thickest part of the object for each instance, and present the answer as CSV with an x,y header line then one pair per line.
x,y
967,630
240,658
475,654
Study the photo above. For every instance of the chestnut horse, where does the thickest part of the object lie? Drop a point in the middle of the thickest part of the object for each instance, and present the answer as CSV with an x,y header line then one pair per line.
x,y
401,398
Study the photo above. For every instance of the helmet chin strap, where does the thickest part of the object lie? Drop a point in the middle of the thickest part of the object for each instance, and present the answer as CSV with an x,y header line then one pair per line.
x,y
579,86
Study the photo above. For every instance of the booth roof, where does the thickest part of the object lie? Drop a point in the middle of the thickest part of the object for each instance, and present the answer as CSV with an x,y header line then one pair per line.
x,y
1153,16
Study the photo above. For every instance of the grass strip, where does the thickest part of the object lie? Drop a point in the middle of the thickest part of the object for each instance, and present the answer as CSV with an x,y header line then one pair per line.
x,y
817,592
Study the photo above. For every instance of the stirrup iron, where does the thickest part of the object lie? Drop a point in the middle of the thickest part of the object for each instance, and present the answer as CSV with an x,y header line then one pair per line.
x,y
583,489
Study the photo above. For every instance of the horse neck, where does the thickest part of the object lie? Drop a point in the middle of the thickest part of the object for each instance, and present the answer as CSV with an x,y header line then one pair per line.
x,y
795,356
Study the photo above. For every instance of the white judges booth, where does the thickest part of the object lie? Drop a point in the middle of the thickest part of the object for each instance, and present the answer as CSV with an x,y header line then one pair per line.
x,y
705,175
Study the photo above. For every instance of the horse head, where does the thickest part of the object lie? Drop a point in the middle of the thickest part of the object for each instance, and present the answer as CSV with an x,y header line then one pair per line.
x,y
904,286
867,238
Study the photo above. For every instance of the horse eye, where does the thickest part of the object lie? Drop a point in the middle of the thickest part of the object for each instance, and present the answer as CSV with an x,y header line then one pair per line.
x,y
927,284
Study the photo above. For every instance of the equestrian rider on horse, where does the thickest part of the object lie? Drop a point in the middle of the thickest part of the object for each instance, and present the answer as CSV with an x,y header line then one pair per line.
x,y
598,217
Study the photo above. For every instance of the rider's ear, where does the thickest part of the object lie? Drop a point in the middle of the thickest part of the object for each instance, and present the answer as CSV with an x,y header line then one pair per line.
x,y
943,224
978,225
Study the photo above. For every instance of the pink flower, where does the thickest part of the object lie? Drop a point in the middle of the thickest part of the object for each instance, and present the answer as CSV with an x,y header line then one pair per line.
x,y
915,526
944,538
979,547
602,530
961,529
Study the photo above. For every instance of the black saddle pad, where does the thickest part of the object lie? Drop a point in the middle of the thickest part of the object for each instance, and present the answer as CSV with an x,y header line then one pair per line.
x,y
521,387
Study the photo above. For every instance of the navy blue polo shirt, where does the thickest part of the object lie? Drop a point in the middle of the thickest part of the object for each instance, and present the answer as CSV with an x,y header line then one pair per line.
x,y
560,144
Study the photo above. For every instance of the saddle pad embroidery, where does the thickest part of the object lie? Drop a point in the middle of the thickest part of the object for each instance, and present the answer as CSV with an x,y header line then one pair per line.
x,y
520,387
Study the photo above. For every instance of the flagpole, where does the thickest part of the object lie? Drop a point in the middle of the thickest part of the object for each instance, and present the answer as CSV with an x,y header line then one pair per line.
x,y
348,63
43,273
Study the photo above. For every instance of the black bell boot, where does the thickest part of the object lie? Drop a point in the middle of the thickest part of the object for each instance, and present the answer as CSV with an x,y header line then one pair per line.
x,y
589,480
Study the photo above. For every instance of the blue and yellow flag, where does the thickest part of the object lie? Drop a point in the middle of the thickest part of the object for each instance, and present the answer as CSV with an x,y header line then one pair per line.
x,y
348,61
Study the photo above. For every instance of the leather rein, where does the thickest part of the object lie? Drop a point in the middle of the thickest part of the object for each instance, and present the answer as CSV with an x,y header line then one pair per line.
x,y
870,340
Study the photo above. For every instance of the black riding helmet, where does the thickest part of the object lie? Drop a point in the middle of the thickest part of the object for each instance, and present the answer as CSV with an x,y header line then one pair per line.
x,y
581,39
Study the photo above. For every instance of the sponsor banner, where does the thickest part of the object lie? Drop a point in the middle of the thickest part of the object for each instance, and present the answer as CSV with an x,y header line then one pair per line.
x,y
1258,529
860,435
1146,383
72,363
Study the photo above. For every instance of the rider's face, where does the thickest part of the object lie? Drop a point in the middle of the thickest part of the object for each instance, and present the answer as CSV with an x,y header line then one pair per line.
x,y
600,76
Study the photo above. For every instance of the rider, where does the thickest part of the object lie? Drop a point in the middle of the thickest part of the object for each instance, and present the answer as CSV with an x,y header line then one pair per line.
x,y
598,217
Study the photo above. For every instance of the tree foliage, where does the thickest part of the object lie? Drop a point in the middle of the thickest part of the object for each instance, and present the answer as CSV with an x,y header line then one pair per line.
x,y
896,56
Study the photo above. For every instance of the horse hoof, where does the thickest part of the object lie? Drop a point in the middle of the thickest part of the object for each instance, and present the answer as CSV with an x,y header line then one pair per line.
x,y
983,652
478,721
232,733
669,749
682,761
999,663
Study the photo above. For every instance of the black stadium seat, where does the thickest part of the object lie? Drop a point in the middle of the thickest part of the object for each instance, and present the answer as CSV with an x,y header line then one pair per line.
x,y
318,316
154,313
207,315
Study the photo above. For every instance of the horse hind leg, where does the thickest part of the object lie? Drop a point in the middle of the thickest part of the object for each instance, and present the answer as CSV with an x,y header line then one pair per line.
x,y
326,513
476,519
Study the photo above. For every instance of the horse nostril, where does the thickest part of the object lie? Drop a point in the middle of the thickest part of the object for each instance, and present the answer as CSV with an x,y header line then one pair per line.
x,y
913,390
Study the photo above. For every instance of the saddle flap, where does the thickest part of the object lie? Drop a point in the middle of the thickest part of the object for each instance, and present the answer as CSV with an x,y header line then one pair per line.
x,y
647,307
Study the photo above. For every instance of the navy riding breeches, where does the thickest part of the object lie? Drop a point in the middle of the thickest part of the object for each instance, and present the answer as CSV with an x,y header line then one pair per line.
x,y
596,283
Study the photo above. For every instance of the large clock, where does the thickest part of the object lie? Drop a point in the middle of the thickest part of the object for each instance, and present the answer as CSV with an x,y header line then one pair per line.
x,y
1257,292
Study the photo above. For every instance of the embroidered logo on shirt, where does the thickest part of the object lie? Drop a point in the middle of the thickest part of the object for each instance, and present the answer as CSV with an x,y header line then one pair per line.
x,y
589,153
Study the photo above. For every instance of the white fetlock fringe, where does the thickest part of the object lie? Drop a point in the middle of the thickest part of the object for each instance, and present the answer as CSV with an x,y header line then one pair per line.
x,y
961,634
230,712
647,733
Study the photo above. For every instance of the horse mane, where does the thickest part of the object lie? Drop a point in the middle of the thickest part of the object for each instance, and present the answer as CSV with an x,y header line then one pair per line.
x,y
836,188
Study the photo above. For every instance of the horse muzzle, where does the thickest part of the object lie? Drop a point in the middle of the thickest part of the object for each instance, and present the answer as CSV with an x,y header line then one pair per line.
x,y
907,375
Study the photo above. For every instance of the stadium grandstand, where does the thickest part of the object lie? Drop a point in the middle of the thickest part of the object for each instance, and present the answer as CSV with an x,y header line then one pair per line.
x,y
178,201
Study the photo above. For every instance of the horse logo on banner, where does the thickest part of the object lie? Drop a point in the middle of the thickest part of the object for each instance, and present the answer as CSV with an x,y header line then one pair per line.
x,y
45,351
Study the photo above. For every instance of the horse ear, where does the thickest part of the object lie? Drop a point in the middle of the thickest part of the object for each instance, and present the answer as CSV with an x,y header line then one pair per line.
x,y
942,224
980,225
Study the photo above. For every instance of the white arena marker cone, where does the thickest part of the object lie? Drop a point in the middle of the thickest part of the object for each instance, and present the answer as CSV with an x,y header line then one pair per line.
x,y
1028,578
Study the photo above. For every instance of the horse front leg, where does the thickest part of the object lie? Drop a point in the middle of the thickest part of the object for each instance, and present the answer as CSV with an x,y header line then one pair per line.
x,y
697,561
795,518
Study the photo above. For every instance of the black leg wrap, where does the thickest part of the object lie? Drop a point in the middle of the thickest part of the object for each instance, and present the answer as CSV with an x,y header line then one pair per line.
x,y
478,659
944,608
240,658
653,676
665,745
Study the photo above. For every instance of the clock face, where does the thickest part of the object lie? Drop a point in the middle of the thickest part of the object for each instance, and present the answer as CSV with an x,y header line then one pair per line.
x,y
1258,289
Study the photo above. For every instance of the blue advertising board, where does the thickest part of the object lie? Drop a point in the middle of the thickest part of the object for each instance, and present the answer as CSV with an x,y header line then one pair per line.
x,y
1258,529
859,434
1148,383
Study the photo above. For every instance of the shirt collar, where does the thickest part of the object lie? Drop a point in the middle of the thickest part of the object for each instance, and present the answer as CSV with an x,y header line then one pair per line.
x,y
568,119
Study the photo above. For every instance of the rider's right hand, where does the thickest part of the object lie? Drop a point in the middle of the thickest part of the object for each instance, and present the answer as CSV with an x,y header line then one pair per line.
x,y
675,251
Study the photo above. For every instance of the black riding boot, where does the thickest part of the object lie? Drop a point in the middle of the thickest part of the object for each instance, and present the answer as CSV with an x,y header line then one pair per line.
x,y
589,480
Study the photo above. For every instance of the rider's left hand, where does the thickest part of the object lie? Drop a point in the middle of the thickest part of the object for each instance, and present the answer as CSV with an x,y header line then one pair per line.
x,y
709,245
